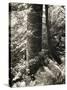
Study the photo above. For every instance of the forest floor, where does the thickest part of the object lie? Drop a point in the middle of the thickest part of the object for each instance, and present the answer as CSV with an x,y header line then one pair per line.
x,y
51,74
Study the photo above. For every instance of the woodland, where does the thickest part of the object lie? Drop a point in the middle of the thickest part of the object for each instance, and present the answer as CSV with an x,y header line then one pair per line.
x,y
36,44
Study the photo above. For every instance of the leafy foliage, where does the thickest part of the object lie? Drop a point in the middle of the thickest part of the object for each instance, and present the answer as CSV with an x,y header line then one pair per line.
x,y
42,69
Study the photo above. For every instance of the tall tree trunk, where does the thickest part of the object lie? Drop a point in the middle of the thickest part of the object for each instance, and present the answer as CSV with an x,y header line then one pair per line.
x,y
44,32
34,27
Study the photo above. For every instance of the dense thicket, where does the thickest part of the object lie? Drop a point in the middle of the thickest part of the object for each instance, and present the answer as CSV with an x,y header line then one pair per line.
x,y
37,44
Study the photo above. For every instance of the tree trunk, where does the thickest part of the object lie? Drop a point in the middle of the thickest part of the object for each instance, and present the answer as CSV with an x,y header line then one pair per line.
x,y
34,27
